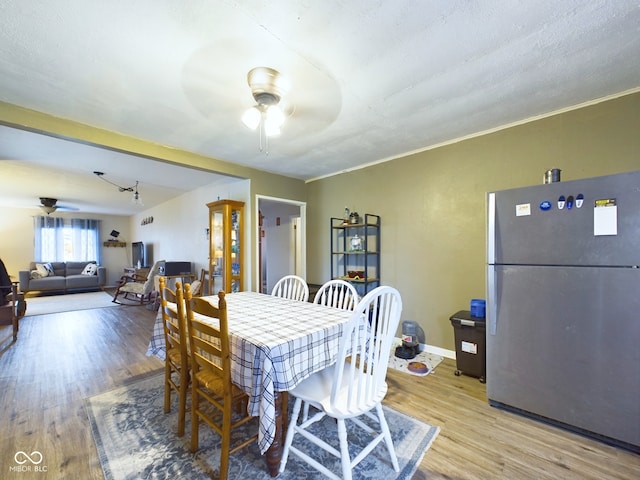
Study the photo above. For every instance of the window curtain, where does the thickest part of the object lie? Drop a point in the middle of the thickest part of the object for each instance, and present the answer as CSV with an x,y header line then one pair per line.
x,y
56,242
49,239
85,238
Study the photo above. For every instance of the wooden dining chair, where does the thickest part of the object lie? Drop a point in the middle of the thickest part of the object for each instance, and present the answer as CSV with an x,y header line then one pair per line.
x,y
213,396
177,363
292,287
14,310
353,387
337,293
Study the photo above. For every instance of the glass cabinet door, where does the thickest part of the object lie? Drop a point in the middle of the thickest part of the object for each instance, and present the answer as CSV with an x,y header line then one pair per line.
x,y
216,257
225,246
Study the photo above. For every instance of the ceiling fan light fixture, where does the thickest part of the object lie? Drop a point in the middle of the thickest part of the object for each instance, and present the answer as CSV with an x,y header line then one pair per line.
x,y
274,117
137,198
267,87
48,205
48,210
251,118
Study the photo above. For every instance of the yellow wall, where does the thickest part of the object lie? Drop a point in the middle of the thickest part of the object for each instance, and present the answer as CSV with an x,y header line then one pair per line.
x,y
432,203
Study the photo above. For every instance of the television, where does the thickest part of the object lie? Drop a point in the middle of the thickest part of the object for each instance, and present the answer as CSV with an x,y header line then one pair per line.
x,y
137,254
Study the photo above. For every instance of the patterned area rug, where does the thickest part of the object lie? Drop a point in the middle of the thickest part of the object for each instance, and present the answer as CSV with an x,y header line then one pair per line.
x,y
422,364
67,302
135,439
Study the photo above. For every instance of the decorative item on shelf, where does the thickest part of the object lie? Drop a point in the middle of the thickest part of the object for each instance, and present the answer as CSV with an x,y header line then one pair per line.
x,y
136,199
346,216
146,221
356,243
354,218
114,243
357,274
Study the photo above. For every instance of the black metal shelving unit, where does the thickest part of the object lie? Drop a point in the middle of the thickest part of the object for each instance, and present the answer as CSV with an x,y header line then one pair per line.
x,y
359,266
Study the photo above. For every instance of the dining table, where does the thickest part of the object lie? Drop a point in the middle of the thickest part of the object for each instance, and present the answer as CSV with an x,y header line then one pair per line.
x,y
275,344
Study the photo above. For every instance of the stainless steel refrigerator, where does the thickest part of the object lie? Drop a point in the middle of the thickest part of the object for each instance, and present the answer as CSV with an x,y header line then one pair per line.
x,y
563,304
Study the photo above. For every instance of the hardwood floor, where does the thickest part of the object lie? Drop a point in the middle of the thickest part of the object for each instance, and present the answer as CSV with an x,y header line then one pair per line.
x,y
61,359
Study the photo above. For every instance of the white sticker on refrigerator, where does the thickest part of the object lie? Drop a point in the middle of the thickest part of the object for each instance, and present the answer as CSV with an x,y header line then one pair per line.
x,y
605,217
523,210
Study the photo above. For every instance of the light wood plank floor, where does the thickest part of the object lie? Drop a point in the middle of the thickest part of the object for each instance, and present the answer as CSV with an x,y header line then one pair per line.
x,y
61,359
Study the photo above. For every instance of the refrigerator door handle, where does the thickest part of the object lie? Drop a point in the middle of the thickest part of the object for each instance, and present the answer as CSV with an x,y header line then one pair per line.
x,y
491,228
491,259
492,317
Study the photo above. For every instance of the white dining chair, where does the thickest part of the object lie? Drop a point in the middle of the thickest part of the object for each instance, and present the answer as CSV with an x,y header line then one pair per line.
x,y
292,287
337,293
353,387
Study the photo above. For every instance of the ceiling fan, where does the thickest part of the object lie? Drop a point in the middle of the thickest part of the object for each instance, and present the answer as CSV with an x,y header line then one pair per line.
x,y
50,205
267,87
305,90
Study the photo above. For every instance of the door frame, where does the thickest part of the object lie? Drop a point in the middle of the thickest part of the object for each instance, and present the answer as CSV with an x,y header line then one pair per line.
x,y
302,206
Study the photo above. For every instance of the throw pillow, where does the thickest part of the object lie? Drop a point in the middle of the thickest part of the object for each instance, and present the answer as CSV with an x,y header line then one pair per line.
x,y
42,270
49,268
35,275
90,269
195,287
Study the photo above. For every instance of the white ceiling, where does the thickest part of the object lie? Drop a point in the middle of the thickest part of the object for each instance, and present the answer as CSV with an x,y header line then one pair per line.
x,y
370,80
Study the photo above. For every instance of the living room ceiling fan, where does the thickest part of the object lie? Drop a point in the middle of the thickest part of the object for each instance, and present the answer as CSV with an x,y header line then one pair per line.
x,y
50,205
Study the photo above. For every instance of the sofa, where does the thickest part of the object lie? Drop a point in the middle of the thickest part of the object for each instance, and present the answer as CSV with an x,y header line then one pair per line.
x,y
62,276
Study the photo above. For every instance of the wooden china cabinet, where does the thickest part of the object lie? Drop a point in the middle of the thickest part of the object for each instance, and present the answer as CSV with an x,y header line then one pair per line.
x,y
226,251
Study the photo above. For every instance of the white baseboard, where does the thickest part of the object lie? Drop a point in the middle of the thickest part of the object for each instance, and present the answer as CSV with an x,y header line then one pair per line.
x,y
443,352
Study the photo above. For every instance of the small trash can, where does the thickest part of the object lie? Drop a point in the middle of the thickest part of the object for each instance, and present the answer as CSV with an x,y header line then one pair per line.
x,y
471,355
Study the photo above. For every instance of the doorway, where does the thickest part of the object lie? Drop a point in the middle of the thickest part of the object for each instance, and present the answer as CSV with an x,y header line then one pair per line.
x,y
281,241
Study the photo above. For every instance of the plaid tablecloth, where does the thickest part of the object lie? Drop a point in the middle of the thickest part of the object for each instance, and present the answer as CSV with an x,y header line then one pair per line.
x,y
275,344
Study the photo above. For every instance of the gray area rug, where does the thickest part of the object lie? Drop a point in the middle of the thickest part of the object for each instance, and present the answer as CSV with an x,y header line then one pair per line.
x,y
136,440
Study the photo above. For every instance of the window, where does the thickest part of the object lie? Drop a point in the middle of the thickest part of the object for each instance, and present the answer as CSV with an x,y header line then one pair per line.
x,y
75,240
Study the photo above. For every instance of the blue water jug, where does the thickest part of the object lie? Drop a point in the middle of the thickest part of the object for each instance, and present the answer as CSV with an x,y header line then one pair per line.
x,y
478,307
